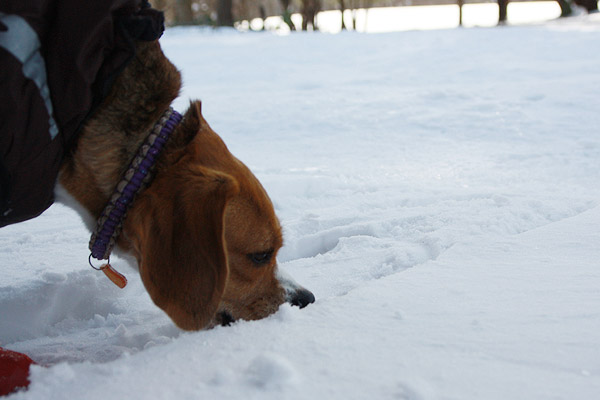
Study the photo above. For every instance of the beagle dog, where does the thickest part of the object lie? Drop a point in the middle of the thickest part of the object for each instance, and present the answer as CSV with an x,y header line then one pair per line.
x,y
203,234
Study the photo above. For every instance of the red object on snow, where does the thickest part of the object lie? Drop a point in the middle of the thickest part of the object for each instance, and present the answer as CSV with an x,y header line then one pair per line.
x,y
14,371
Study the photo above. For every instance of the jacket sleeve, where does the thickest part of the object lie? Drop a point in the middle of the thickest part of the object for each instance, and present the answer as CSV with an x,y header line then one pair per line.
x,y
58,59
26,123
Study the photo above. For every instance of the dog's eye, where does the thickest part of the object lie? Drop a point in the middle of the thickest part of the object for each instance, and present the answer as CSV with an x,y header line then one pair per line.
x,y
261,258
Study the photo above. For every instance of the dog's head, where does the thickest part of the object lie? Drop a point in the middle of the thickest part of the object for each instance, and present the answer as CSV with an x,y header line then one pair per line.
x,y
206,236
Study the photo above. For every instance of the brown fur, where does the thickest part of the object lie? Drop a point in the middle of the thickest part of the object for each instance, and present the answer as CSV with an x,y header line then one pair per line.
x,y
193,229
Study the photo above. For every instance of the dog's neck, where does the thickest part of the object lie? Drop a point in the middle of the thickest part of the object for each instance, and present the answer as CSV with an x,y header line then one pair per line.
x,y
138,175
112,136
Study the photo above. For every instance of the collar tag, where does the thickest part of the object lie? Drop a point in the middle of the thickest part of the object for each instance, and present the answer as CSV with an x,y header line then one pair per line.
x,y
115,276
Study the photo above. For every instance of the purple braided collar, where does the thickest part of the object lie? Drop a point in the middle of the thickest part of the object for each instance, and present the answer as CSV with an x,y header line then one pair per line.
x,y
135,179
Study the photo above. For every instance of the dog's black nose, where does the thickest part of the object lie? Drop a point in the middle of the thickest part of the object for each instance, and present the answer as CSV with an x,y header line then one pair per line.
x,y
302,298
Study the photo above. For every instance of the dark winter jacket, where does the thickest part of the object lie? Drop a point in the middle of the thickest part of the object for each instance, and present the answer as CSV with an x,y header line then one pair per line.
x,y
58,59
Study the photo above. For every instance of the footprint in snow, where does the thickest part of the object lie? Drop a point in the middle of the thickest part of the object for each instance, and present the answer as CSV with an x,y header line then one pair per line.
x,y
269,371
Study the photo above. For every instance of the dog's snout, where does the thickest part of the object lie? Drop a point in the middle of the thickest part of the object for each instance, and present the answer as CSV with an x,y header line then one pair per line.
x,y
302,298
295,294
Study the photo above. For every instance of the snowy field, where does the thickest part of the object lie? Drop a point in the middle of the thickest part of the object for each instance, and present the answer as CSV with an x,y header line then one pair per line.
x,y
440,193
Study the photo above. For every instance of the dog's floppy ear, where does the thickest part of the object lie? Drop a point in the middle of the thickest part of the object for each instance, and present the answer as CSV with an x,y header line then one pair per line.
x,y
177,229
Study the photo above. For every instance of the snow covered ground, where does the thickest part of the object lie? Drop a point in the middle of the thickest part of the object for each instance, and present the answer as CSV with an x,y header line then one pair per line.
x,y
440,193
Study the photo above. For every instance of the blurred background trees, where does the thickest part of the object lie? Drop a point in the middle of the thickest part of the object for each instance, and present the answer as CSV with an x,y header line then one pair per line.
x,y
228,12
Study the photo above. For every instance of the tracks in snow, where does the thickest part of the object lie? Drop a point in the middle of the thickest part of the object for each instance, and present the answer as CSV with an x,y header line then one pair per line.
x,y
351,253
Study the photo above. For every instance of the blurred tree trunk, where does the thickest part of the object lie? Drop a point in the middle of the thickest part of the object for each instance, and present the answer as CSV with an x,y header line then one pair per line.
x,y
183,12
460,10
263,15
287,14
589,5
342,9
565,8
310,9
502,6
354,6
224,13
